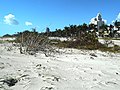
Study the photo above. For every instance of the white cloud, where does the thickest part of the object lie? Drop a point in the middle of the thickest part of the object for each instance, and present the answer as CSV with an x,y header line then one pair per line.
x,y
28,23
95,19
118,17
105,21
10,19
113,21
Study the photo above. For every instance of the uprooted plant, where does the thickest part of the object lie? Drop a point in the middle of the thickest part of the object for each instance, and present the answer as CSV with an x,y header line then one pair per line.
x,y
10,81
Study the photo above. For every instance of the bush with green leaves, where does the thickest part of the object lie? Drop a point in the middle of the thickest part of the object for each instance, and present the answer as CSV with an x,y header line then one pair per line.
x,y
86,40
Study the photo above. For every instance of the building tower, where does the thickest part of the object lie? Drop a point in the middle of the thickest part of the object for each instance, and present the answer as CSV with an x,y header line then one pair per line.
x,y
47,30
99,17
100,22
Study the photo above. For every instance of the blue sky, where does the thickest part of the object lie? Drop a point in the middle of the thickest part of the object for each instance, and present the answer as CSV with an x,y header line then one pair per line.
x,y
19,15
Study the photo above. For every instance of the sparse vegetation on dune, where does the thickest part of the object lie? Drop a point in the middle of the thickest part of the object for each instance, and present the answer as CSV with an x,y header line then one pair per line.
x,y
80,37
97,46
86,40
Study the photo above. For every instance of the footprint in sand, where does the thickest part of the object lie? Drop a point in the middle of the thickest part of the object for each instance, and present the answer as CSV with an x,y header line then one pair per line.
x,y
111,83
46,88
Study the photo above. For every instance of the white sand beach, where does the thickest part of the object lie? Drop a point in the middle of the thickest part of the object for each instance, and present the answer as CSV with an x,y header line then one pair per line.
x,y
71,69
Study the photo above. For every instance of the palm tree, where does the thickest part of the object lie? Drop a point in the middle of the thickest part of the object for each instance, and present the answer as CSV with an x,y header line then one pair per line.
x,y
103,28
84,27
111,30
66,31
117,24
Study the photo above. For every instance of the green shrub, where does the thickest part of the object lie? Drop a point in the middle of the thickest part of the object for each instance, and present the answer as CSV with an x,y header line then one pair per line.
x,y
88,42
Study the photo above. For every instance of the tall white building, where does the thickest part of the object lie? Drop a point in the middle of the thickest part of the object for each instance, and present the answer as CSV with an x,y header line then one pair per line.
x,y
98,21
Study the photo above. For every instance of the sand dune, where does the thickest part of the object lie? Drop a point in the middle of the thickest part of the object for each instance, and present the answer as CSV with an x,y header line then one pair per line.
x,y
71,69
